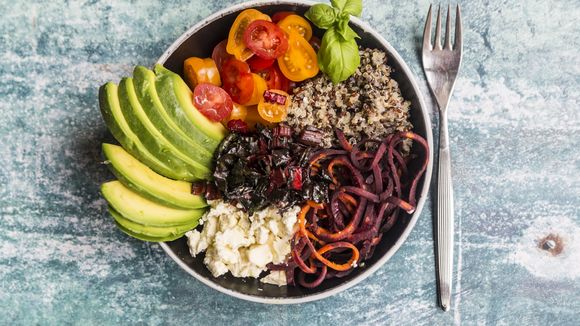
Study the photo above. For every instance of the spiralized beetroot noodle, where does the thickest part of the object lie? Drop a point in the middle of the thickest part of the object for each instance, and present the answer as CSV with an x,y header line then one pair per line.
x,y
365,199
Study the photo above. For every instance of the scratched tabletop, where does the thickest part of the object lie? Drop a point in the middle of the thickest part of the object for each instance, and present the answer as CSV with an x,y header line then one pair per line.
x,y
515,142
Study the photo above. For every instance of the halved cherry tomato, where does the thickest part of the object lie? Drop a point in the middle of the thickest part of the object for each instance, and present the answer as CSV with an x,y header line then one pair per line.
x,y
274,78
260,86
273,106
256,63
295,23
237,80
236,45
198,70
299,62
253,117
281,15
212,101
266,39
315,42
220,55
239,112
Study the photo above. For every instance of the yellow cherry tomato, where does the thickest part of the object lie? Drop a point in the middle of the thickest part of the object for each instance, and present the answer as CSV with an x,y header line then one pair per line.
x,y
239,112
236,45
253,118
273,106
299,62
295,23
198,70
260,86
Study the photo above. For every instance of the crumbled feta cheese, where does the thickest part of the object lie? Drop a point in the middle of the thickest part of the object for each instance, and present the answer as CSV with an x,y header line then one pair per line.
x,y
242,244
276,278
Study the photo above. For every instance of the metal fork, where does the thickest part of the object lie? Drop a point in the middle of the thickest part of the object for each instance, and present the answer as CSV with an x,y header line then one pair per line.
x,y
441,66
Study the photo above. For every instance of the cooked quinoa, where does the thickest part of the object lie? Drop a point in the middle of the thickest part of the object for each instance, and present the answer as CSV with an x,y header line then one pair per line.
x,y
368,104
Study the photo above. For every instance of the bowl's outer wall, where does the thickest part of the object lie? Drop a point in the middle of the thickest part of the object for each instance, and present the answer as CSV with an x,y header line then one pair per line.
x,y
200,44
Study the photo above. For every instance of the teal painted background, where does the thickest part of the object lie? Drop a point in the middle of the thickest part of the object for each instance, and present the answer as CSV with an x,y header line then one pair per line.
x,y
515,127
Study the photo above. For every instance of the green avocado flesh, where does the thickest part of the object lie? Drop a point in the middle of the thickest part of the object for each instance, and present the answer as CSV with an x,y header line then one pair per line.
x,y
151,233
143,211
141,179
115,121
144,82
153,139
177,99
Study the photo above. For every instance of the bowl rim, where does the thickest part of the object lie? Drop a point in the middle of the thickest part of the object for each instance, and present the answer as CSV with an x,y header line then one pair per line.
x,y
427,181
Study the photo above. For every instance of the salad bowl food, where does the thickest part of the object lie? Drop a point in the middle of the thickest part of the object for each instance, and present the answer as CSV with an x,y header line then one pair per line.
x,y
279,150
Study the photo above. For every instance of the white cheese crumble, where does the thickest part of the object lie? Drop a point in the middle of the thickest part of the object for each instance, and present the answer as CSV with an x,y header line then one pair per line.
x,y
244,244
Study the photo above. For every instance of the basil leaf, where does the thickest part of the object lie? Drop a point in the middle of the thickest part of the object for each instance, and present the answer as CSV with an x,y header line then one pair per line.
x,y
345,31
322,15
351,7
338,58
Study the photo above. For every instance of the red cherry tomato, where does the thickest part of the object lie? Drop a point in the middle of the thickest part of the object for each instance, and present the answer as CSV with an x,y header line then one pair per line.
x,y
212,101
220,55
256,63
237,80
266,39
274,78
281,15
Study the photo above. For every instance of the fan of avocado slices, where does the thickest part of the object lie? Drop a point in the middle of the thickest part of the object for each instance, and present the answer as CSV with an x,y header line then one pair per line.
x,y
165,144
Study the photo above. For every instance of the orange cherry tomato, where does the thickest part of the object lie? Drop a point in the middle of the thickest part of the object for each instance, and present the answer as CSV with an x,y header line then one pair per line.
x,y
236,45
295,23
273,106
237,80
260,86
253,118
239,112
299,62
198,71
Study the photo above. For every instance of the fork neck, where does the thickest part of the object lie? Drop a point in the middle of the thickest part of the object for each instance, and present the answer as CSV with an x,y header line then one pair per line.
x,y
443,130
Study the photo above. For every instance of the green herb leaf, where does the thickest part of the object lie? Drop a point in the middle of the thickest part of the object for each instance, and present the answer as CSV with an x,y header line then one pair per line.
x,y
351,7
338,58
322,15
345,31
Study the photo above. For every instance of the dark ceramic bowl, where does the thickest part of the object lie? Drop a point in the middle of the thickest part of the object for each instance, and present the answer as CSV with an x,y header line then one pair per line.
x,y
199,41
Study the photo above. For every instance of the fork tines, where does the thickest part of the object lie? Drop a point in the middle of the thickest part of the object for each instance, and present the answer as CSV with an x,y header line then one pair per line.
x,y
447,46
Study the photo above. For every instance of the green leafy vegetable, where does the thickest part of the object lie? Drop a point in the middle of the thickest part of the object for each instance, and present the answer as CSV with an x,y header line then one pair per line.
x,y
338,57
351,7
322,15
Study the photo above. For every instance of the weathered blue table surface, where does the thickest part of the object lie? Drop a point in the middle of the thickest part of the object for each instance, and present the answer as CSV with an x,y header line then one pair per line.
x,y
515,137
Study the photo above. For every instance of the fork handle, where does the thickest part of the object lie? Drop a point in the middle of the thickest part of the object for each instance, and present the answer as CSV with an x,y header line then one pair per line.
x,y
445,217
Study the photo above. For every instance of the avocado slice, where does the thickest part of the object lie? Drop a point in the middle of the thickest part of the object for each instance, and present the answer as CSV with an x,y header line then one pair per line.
x,y
177,99
152,232
141,179
144,82
144,211
115,121
153,139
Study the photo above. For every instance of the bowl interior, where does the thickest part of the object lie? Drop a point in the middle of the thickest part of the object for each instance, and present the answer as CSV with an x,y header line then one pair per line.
x,y
200,44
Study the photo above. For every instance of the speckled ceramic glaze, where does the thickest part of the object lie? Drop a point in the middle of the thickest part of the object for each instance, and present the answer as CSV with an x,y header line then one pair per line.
x,y
199,41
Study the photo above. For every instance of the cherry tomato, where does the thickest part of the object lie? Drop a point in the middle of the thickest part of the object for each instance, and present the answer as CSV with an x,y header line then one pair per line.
x,y
212,101
281,15
236,45
274,78
299,62
239,112
237,80
295,23
266,39
253,117
220,54
260,86
198,70
256,63
273,106
315,42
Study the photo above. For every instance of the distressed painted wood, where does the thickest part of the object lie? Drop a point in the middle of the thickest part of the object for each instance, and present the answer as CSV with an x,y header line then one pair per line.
x,y
515,137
